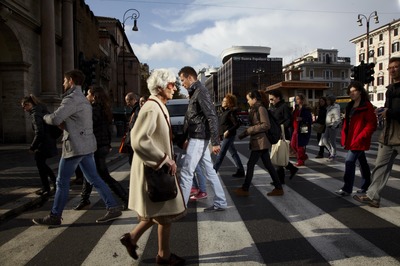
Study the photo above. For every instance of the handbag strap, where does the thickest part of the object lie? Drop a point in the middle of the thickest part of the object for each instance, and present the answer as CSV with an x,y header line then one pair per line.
x,y
169,126
283,132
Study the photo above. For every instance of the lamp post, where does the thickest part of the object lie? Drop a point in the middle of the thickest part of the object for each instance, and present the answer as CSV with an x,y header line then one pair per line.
x,y
134,15
360,17
258,71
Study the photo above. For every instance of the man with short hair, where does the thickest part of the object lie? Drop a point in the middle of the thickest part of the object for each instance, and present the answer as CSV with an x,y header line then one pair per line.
x,y
389,140
131,100
201,125
74,116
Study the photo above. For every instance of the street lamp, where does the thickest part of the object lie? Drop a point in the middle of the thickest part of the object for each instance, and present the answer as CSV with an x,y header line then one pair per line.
x,y
135,15
360,18
259,71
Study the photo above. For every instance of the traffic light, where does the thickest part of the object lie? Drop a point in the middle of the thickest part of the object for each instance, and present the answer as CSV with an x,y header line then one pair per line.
x,y
369,73
355,73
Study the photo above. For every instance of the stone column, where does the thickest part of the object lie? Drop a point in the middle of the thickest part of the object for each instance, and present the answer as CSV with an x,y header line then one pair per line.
x,y
48,49
67,35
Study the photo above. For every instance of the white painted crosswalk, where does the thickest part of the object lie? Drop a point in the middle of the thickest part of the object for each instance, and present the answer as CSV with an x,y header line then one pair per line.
x,y
308,225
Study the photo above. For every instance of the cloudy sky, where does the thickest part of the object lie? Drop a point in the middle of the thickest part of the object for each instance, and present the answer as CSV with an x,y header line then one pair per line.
x,y
175,33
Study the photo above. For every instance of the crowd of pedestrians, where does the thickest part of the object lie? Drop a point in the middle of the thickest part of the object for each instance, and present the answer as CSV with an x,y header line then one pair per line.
x,y
85,122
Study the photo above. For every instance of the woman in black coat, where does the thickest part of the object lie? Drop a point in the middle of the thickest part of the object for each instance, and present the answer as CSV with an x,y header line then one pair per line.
x,y
44,145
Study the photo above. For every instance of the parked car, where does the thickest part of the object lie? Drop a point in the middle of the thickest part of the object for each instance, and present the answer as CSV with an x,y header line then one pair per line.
x,y
244,118
177,109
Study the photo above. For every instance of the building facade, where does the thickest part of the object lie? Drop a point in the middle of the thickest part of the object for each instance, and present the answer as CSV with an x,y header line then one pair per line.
x,y
40,40
384,43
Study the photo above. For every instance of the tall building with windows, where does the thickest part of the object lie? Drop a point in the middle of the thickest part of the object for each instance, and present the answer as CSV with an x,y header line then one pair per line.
x,y
384,43
245,68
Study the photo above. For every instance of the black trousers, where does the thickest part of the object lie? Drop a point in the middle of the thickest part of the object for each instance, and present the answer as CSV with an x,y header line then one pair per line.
x,y
101,165
254,156
45,171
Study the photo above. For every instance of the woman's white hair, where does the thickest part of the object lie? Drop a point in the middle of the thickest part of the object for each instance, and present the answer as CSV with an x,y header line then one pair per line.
x,y
159,78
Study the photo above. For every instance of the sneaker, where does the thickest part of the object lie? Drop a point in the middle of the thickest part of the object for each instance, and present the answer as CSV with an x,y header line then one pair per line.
x,y
214,209
199,196
342,193
239,173
50,219
366,200
194,191
111,214
42,192
331,158
276,192
241,192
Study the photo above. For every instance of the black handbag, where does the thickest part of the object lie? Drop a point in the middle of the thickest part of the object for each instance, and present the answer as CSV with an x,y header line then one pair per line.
x,y
161,186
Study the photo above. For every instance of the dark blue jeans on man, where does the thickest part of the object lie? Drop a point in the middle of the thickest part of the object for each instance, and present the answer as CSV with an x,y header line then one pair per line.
x,y
350,171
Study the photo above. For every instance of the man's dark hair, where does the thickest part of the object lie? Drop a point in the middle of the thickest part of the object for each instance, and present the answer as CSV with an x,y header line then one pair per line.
x,y
76,75
188,71
276,93
394,59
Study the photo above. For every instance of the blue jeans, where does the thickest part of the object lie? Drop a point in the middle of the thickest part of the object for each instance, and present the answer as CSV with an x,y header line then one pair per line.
x,y
350,170
227,144
200,180
66,169
198,154
254,156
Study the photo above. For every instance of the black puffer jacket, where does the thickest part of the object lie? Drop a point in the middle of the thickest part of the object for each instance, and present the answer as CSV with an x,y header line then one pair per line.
x,y
283,116
201,121
101,126
42,141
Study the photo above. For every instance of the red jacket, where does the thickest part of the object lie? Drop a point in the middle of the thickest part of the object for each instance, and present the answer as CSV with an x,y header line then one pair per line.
x,y
358,126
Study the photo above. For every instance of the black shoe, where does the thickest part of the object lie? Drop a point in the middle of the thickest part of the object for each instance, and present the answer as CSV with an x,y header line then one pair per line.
x,y
293,172
42,192
319,156
126,241
111,214
173,260
82,204
50,220
239,173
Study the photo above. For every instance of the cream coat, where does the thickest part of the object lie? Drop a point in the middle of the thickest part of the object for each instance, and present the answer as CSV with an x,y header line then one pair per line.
x,y
150,140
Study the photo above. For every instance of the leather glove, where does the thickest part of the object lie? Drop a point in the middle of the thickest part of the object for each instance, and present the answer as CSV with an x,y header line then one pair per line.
x,y
243,135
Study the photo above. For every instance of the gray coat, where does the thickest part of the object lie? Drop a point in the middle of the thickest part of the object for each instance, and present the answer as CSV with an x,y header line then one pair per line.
x,y
75,112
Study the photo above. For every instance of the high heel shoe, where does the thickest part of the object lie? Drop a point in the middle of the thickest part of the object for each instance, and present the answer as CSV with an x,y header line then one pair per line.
x,y
126,241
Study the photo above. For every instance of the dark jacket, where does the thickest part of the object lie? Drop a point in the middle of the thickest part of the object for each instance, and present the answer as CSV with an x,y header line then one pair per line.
x,y
228,121
321,115
358,127
305,114
391,132
132,120
42,141
101,126
259,125
283,115
201,121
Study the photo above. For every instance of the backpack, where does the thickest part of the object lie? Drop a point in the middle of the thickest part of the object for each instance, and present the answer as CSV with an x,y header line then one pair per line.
x,y
274,133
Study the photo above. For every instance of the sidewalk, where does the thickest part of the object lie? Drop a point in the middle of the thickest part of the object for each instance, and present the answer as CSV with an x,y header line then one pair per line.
x,y
19,177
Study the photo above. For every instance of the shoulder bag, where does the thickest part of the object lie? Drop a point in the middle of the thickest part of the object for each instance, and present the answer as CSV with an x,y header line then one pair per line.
x,y
280,151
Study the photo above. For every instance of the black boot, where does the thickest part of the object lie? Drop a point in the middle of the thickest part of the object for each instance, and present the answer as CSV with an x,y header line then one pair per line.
x,y
239,173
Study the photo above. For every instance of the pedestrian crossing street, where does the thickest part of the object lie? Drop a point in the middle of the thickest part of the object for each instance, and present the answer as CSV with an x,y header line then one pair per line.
x,y
308,225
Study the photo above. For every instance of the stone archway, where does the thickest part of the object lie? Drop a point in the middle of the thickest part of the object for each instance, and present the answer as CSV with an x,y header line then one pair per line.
x,y
13,76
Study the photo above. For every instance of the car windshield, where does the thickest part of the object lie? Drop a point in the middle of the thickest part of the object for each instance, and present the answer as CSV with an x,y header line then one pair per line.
x,y
177,110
